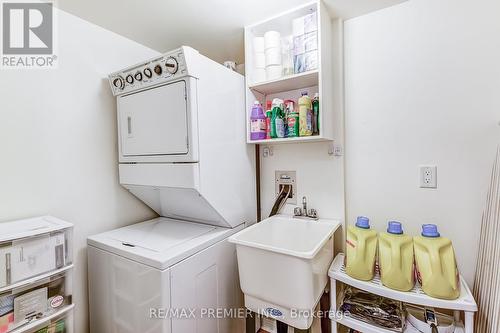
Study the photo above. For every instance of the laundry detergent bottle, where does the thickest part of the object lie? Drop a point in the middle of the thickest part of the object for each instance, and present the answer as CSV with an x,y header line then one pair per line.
x,y
361,250
436,265
257,122
395,258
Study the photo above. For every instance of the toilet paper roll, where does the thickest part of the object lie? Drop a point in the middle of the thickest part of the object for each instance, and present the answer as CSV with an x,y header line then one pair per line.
x,y
259,75
274,72
258,45
299,45
272,39
273,56
298,26
311,41
311,60
310,23
260,60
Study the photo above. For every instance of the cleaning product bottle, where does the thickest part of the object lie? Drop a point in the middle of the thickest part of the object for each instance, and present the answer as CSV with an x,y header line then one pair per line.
x,y
305,115
292,120
315,110
361,249
268,119
435,263
257,122
277,119
395,258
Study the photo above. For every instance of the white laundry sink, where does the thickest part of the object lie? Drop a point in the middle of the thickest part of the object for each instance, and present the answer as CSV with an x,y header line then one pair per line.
x,y
283,264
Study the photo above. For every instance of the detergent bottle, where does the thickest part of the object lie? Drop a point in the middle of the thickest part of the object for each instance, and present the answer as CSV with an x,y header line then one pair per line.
x,y
257,122
395,258
436,265
305,115
361,250
315,108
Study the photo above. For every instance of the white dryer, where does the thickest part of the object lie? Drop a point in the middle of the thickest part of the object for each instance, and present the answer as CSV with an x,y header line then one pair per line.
x,y
182,150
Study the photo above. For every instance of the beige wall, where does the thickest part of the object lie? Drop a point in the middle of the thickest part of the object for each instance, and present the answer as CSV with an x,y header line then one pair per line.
x,y
58,141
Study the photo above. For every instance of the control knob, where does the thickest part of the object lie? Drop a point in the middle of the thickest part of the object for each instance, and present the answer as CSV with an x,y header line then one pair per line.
x,y
148,73
129,79
119,83
138,76
158,70
172,65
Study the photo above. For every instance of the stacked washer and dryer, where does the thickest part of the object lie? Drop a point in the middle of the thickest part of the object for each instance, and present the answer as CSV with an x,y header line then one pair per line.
x,y
182,151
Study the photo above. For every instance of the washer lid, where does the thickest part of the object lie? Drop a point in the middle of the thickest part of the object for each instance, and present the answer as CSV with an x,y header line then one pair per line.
x,y
158,236
160,242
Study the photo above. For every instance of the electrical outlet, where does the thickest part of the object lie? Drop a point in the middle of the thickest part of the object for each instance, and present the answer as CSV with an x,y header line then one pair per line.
x,y
428,176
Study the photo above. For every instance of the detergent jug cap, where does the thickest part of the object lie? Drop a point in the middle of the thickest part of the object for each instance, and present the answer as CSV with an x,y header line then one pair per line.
x,y
304,93
363,222
430,230
316,95
394,227
256,103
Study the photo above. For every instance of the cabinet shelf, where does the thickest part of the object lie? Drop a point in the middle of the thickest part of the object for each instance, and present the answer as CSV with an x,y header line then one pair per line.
x,y
34,279
323,79
415,296
287,83
312,138
361,326
40,323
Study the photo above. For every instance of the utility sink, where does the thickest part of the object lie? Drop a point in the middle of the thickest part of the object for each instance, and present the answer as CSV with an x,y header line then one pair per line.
x,y
283,264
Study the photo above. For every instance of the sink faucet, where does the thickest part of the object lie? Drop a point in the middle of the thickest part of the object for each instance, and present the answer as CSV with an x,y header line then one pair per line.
x,y
304,213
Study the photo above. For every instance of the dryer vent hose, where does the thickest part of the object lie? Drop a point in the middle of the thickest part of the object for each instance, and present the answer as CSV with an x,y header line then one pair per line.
x,y
281,199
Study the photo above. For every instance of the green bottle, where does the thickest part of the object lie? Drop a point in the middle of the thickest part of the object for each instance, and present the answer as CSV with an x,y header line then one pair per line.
x,y
277,119
315,107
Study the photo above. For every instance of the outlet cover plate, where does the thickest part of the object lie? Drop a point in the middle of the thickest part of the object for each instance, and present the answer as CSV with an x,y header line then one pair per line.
x,y
286,178
428,176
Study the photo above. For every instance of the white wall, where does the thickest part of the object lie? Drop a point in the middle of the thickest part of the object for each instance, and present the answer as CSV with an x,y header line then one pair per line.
x,y
319,178
58,141
423,87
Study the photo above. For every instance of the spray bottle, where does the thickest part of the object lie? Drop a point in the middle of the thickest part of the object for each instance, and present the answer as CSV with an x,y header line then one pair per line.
x,y
268,119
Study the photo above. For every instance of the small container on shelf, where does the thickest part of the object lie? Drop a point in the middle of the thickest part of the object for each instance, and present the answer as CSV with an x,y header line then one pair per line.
x,y
35,272
38,246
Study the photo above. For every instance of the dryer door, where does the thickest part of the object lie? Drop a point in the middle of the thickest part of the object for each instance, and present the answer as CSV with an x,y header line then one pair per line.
x,y
154,122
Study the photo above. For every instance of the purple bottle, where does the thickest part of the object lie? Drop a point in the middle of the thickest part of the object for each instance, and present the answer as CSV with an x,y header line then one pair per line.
x,y
257,122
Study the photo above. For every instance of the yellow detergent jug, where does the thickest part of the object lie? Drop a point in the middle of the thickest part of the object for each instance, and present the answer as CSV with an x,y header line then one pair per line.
x,y
361,250
436,265
395,258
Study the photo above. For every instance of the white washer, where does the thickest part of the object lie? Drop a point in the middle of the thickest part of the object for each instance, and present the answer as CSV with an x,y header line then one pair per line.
x,y
183,152
150,276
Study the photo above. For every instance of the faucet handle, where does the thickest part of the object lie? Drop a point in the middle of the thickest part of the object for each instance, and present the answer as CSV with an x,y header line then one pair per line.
x,y
297,211
313,213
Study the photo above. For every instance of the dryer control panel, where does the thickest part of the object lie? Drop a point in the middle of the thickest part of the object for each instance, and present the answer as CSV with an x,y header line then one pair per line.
x,y
165,68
